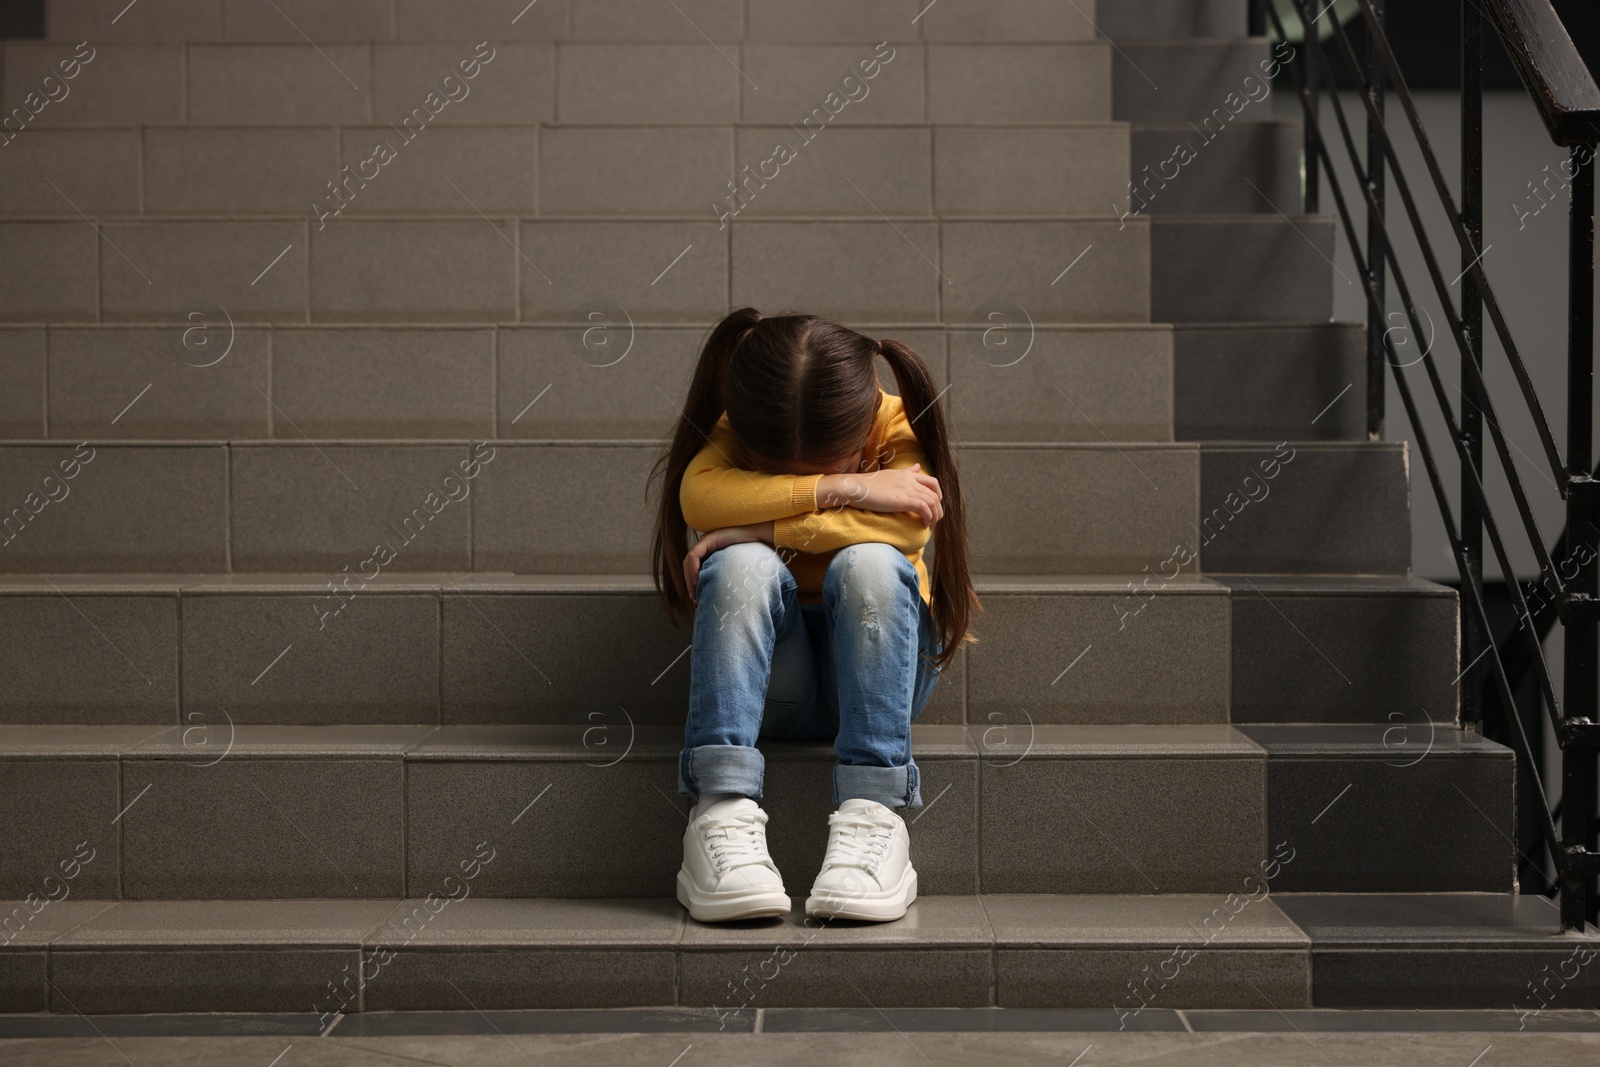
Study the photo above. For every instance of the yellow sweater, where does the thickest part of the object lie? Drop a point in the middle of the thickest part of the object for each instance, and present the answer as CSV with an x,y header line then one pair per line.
x,y
718,492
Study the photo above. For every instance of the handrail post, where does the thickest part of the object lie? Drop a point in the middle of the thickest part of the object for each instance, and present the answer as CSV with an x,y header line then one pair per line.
x,y
1377,382
1309,151
1578,762
1472,642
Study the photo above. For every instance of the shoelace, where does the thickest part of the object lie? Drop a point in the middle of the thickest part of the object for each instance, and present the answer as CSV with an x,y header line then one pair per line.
x,y
735,843
847,847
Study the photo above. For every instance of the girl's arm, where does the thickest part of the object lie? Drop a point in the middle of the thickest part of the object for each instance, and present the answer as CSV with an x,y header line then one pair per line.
x,y
897,504
845,524
715,493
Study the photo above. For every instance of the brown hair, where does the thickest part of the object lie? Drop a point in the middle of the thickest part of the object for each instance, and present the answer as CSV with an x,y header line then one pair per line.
x,y
805,388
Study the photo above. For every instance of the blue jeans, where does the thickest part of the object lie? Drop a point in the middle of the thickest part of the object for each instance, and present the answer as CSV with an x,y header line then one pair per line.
x,y
853,670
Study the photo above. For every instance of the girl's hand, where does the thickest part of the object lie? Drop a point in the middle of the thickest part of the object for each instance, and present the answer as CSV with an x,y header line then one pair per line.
x,y
710,542
900,489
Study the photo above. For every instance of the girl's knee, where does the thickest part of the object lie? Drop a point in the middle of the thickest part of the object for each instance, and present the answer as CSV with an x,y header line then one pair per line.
x,y
748,567
872,570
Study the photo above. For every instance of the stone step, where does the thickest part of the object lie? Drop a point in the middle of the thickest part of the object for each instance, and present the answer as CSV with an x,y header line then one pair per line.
x,y
212,810
1213,83
1295,638
315,506
1124,20
1013,380
694,21
1345,508
498,81
472,269
1241,268
466,649
1269,382
1132,958
575,170
1244,168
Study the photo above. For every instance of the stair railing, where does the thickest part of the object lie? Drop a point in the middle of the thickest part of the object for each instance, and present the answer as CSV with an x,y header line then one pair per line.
x,y
1565,93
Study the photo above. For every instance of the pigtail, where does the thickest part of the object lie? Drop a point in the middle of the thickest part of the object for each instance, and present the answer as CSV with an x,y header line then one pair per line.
x,y
954,598
696,419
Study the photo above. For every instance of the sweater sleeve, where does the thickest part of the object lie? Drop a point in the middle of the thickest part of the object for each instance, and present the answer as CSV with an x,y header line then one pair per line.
x,y
821,531
717,493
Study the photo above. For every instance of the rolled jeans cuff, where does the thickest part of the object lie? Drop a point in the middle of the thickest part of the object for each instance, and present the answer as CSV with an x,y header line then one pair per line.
x,y
721,769
893,787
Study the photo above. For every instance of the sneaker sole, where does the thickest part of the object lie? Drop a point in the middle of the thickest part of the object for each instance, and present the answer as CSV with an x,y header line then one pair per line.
x,y
887,906
730,907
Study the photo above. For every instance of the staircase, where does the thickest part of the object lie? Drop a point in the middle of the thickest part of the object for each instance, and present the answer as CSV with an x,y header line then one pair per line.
x,y
334,679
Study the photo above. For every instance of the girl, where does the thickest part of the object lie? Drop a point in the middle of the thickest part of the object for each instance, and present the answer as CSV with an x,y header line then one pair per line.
x,y
815,616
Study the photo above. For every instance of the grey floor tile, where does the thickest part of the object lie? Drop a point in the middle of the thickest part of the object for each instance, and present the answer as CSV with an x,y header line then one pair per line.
x,y
229,924
452,919
1056,270
1349,811
263,829
880,83
267,659
402,383
1198,75
1311,509
1036,170
849,271
572,483
32,924
1155,652
200,264
1180,169
1020,383
1167,825
1445,920
323,508
22,370
533,659
636,170
193,980
433,271
184,388
555,829
1379,1021
556,1021
790,170
1242,918
222,171
126,508
206,737
53,741
1107,510
89,659
963,1020
666,271
600,377
1291,646
737,981
931,921
57,828
1280,268
50,273
517,978
190,1024
1008,83
494,169
1267,383
1170,977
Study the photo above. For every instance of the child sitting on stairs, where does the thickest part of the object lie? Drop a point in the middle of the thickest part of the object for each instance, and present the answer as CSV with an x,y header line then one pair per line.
x,y
814,493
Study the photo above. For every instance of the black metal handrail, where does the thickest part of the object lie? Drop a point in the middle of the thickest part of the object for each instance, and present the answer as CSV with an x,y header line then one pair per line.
x,y
1567,98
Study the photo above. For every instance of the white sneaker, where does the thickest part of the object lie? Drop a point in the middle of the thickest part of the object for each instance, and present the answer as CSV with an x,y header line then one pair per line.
x,y
727,873
867,872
